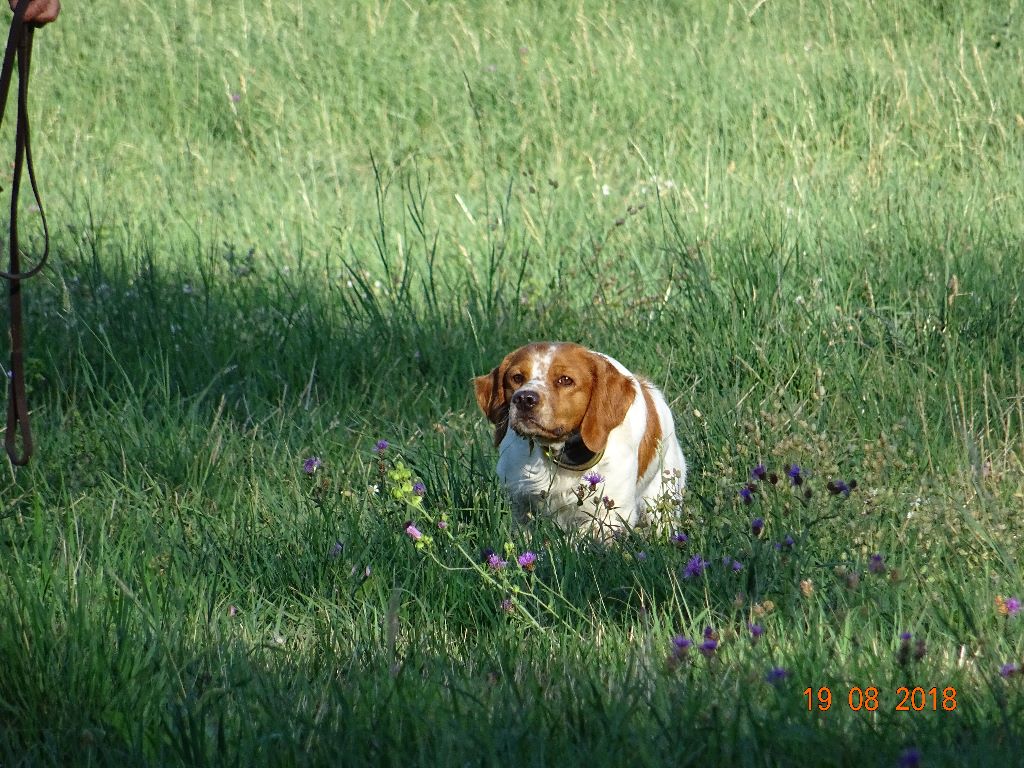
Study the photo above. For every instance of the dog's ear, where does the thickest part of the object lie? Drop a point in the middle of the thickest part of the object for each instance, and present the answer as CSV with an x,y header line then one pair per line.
x,y
611,395
490,396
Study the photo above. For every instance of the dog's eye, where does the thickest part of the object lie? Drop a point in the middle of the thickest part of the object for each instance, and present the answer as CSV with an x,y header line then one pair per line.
x,y
565,381
517,378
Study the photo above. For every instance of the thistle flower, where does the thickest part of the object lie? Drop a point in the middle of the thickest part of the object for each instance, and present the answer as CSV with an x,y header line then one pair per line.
x,y
876,564
1008,670
507,606
776,675
759,473
527,561
678,538
910,758
681,643
694,567
756,630
381,446
836,487
419,488
311,465
708,647
795,474
594,479
746,495
495,562
1012,606
412,531
757,526
336,549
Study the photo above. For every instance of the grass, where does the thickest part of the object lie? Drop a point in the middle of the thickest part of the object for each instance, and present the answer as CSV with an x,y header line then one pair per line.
x,y
291,232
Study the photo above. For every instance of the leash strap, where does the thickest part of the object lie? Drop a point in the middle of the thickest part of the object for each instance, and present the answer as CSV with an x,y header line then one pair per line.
x,y
19,47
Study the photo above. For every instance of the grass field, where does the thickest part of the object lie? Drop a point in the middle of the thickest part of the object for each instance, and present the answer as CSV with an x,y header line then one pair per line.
x,y
282,233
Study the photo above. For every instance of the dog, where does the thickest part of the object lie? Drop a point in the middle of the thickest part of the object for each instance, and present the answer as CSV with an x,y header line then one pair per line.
x,y
582,440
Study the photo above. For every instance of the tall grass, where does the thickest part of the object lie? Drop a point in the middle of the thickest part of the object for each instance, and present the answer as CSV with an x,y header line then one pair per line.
x,y
288,232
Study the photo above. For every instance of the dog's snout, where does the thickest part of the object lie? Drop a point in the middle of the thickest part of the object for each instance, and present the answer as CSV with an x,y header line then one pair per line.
x,y
526,399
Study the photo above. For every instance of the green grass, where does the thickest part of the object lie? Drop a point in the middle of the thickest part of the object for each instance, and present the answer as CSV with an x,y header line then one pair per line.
x,y
283,232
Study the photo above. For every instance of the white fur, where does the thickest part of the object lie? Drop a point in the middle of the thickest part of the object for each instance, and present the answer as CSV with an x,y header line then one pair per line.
x,y
539,486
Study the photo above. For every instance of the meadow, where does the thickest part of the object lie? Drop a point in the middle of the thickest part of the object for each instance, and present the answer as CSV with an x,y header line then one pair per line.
x,y
286,237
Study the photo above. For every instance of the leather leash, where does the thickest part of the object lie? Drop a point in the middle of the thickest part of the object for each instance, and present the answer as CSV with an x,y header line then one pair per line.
x,y
19,46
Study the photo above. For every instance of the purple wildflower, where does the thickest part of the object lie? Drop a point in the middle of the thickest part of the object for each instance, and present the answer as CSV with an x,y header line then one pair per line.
x,y
412,531
910,758
776,675
507,606
381,446
756,630
795,474
678,538
594,479
1008,670
905,636
836,487
681,643
735,565
419,488
757,526
233,611
876,564
495,562
527,561
1012,606
708,647
336,549
760,472
746,495
311,465
694,567
442,524
786,543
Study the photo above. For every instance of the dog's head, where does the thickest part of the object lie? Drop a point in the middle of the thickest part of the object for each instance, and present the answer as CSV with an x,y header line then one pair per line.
x,y
548,392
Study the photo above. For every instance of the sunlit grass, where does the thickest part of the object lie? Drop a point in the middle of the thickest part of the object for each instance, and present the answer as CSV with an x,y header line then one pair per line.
x,y
283,233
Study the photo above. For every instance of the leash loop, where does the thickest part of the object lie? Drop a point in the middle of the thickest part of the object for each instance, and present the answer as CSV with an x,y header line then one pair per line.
x,y
19,50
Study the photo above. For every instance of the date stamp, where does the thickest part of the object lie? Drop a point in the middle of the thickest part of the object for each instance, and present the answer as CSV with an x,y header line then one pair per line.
x,y
870,699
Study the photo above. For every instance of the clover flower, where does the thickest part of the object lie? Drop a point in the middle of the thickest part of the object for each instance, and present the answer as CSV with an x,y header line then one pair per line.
x,y
311,465
527,561
694,567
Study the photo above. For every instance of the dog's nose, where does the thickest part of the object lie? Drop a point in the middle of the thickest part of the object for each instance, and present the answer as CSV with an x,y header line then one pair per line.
x,y
526,399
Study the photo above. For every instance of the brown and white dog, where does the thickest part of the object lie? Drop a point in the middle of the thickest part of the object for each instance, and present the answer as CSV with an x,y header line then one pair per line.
x,y
582,439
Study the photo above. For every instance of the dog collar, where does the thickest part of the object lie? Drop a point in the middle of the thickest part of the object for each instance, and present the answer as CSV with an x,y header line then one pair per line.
x,y
574,456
